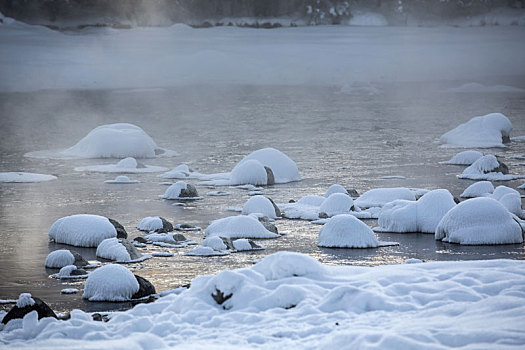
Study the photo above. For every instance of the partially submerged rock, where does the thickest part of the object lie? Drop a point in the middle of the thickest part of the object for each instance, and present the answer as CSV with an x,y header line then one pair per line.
x,y
26,304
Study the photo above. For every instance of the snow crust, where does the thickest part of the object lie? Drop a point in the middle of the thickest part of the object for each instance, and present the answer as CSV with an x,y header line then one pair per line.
x,y
150,223
127,165
24,300
284,169
464,158
111,282
111,249
82,230
242,226
25,177
479,221
478,189
59,258
378,197
259,204
336,203
422,215
483,132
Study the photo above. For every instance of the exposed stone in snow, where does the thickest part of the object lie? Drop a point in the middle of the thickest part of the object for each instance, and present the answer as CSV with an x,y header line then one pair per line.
x,y
119,250
488,168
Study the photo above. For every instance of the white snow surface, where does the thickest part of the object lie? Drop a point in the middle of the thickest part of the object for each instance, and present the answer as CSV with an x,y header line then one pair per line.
x,y
150,223
509,198
436,305
110,282
59,258
422,215
284,169
259,204
82,230
24,300
336,203
464,158
112,249
242,226
127,165
378,197
479,221
122,179
25,177
478,189
346,231
482,168
482,132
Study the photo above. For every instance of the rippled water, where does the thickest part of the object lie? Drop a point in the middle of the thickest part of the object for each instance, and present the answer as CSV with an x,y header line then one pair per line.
x,y
352,138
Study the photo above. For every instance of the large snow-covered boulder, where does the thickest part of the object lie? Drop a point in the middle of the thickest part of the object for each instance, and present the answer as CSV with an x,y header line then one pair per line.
x,y
155,224
422,215
25,304
378,197
249,172
181,190
479,221
464,158
346,231
490,130
119,140
119,250
242,226
261,204
336,203
114,282
283,168
478,189
82,230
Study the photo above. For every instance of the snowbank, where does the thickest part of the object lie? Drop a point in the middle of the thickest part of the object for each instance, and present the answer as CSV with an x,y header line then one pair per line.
x,y
378,197
59,258
478,189
479,221
464,158
25,177
284,169
486,168
484,132
290,300
242,226
260,204
82,230
126,165
422,215
346,231
122,179
111,282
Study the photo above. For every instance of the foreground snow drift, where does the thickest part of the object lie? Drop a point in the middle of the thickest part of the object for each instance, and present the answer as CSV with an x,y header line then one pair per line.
x,y
290,300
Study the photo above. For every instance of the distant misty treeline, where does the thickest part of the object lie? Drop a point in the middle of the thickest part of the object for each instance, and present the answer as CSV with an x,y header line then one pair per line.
x,y
199,12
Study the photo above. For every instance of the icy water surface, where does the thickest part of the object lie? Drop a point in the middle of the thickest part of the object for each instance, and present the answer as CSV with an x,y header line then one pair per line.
x,y
354,139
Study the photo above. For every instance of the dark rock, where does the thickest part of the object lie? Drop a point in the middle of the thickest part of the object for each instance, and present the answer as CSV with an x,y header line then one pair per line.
x,y
132,251
140,239
269,176
179,237
39,306
189,192
352,193
159,151
291,201
166,225
78,272
186,227
503,168
276,208
121,232
254,245
505,139
145,288
219,296
79,260
456,200
267,224
97,317
228,242
323,215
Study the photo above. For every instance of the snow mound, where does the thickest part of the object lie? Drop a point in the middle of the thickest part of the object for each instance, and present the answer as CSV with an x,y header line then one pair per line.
x,y
378,197
284,169
249,172
335,188
214,242
283,265
486,168
126,165
501,191
484,132
464,158
25,177
309,208
509,198
346,231
259,204
479,221
150,223
66,273
122,179
59,258
241,226
179,172
422,215
111,282
24,300
119,140
478,189
336,203
82,230
112,249
364,18
181,190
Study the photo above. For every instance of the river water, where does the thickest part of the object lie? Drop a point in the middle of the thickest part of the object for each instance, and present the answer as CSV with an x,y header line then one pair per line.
x,y
353,138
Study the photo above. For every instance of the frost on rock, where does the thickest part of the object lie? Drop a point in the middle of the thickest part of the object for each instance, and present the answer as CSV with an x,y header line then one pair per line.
x,y
490,130
242,226
378,197
111,282
261,204
126,165
479,221
82,230
181,190
122,179
24,300
346,231
283,168
487,168
464,158
59,258
25,177
478,189
422,215
119,140
336,203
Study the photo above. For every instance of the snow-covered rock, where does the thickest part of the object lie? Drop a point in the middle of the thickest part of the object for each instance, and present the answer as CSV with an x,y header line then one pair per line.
x,y
262,205
119,140
487,168
82,230
346,231
127,165
59,258
283,168
487,131
501,191
27,304
422,215
335,188
242,226
111,282
181,190
122,179
509,198
179,172
25,177
378,197
70,272
249,172
214,242
309,208
478,189
119,250
155,224
205,251
479,221
336,203
464,158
